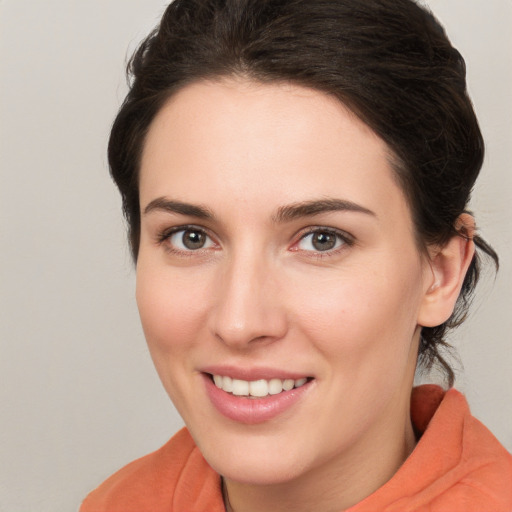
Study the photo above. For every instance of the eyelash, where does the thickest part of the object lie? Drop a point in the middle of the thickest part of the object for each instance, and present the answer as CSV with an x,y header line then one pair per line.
x,y
345,238
165,235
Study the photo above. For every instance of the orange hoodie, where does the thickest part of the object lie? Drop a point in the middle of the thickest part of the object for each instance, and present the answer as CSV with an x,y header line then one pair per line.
x,y
457,466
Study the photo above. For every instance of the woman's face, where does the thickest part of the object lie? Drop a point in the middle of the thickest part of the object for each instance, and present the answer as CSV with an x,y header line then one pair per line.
x,y
276,246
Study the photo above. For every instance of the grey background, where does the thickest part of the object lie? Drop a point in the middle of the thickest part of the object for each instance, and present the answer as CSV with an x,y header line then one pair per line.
x,y
78,394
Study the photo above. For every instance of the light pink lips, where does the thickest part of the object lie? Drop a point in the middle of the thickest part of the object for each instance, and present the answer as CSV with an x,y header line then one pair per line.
x,y
252,410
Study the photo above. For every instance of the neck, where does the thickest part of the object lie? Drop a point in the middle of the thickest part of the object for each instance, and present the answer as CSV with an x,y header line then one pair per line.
x,y
335,485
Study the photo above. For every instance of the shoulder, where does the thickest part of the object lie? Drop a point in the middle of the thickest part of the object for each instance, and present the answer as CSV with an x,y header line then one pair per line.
x,y
485,466
469,469
457,466
156,481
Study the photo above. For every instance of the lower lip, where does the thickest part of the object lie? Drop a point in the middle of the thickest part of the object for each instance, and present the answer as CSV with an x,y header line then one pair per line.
x,y
253,410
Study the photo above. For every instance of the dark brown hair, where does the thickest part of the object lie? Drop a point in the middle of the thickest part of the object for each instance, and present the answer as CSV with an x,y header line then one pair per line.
x,y
389,61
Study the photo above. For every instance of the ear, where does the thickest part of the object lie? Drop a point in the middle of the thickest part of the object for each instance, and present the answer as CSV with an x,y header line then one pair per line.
x,y
448,267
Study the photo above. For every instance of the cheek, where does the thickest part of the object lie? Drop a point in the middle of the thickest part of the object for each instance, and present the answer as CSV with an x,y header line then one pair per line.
x,y
364,317
171,308
362,324
172,312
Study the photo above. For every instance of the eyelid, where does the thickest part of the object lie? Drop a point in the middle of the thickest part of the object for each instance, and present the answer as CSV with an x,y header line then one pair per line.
x,y
164,236
347,239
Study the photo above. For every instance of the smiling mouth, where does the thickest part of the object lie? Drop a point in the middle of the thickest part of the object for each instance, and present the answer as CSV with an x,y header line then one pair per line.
x,y
257,388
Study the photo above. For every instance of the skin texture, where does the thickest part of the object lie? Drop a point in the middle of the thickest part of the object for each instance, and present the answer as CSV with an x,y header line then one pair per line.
x,y
260,294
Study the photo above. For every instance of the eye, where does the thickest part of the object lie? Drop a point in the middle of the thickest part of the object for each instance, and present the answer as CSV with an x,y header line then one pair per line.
x,y
189,239
322,240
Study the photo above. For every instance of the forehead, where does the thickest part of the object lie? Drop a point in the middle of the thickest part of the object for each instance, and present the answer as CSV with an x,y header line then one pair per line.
x,y
240,139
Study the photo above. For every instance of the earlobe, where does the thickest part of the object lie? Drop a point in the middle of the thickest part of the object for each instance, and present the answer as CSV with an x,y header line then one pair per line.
x,y
448,266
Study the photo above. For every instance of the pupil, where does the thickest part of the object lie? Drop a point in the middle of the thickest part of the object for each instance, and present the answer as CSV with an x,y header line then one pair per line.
x,y
193,239
324,241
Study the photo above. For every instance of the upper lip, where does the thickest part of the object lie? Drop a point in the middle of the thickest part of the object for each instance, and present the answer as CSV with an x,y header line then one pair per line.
x,y
252,373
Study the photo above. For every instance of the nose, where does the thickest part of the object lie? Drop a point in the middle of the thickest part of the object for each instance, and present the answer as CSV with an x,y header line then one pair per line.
x,y
248,308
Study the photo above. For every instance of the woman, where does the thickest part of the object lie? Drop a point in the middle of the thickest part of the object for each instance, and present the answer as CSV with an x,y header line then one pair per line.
x,y
295,174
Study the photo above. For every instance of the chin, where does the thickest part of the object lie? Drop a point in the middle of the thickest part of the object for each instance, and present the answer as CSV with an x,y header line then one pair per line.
x,y
262,473
255,459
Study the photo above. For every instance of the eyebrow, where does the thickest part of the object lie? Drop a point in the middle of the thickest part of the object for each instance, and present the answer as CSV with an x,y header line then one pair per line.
x,y
171,206
316,207
284,213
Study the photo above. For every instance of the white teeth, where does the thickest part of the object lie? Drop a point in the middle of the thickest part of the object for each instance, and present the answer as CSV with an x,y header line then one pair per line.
x,y
257,388
288,384
275,386
227,384
300,382
240,387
